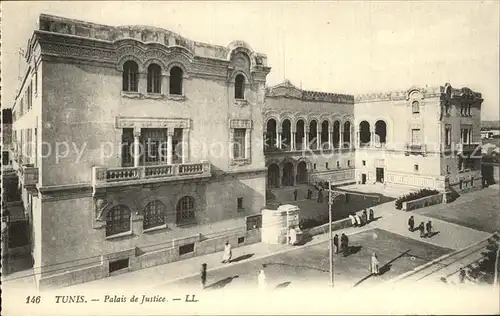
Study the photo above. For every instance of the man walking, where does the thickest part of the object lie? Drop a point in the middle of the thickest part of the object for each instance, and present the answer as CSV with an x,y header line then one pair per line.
x,y
428,227
336,243
411,224
295,193
344,244
422,230
203,275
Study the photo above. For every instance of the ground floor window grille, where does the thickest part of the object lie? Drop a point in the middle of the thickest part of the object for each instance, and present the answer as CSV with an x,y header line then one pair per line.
x,y
118,265
185,249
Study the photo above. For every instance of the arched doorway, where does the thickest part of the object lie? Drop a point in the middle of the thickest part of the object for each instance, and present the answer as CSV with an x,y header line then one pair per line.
x,y
347,134
288,174
273,174
286,134
313,133
271,133
364,134
324,135
381,131
302,172
336,134
299,134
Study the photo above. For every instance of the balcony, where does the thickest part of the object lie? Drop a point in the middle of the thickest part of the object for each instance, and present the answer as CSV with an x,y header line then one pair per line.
x,y
29,176
112,177
415,149
469,148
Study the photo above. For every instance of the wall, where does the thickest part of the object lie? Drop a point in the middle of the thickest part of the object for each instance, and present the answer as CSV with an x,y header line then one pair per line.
x,y
423,202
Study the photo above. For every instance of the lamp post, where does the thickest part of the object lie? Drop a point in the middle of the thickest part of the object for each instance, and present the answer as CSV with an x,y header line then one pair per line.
x,y
330,202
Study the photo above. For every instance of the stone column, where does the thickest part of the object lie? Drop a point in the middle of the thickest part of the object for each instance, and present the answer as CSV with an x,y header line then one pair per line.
x,y
305,143
292,142
142,83
231,144
185,145
318,139
137,144
330,145
358,139
170,133
280,176
372,137
278,140
247,143
341,137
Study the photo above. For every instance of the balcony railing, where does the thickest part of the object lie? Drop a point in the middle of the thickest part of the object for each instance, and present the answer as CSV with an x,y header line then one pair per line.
x,y
463,147
415,149
29,175
157,173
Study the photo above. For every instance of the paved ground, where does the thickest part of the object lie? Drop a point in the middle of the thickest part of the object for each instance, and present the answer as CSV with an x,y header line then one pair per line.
x,y
310,264
479,210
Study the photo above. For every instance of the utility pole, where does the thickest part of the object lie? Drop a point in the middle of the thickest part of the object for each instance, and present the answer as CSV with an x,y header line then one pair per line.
x,y
330,202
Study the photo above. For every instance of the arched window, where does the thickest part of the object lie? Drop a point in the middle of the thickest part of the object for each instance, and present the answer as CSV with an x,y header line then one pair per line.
x,y
176,75
130,76
154,214
154,78
118,220
239,87
185,210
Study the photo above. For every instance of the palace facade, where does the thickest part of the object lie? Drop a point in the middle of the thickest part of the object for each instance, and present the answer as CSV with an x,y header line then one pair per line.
x,y
135,146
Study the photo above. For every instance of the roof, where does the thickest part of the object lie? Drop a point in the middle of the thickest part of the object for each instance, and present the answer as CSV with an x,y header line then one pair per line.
x,y
287,90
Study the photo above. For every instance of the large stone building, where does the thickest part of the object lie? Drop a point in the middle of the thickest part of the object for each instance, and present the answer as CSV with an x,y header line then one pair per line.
x,y
308,136
421,137
135,146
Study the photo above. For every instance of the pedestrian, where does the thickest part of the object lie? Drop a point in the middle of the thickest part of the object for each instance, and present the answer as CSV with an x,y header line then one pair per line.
x,y
292,236
227,253
320,196
309,194
358,219
428,227
203,275
336,243
461,275
353,220
374,265
411,224
364,217
344,242
295,193
422,230
371,215
261,279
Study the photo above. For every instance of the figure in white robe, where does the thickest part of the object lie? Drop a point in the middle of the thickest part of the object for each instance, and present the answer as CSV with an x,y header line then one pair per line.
x,y
374,264
293,236
227,253
353,220
262,280
358,220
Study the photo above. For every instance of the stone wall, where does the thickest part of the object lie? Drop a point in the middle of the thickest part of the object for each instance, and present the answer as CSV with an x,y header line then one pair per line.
x,y
423,202
323,229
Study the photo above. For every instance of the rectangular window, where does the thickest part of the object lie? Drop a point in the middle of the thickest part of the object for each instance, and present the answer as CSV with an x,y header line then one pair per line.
x,y
447,136
415,136
5,158
127,147
415,168
364,162
338,164
254,222
326,165
176,146
348,163
241,240
447,169
185,249
239,201
314,166
153,142
118,265
239,143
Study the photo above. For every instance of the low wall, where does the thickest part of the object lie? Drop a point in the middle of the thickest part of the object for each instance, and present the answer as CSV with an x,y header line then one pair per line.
x,y
139,259
423,202
323,229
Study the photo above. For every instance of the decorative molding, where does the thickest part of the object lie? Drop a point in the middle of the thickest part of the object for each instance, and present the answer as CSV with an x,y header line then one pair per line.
x,y
150,122
240,123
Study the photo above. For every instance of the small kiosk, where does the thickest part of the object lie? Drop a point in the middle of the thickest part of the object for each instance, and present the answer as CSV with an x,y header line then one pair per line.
x,y
282,225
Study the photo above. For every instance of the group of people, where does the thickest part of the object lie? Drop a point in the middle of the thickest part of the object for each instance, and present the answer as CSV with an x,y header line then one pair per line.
x,y
362,220
425,229
309,195
344,244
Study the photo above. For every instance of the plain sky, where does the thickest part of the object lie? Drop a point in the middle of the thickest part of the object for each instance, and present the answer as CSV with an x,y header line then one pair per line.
x,y
343,47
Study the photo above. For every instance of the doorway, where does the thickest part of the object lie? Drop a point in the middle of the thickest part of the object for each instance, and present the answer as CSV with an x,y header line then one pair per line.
x,y
363,178
380,175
